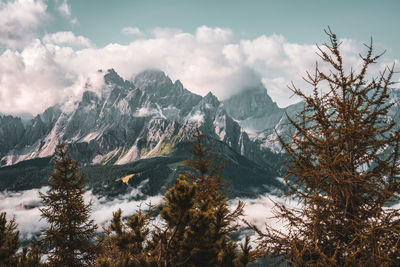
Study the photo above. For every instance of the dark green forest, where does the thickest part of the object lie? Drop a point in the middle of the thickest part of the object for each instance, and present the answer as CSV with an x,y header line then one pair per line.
x,y
160,171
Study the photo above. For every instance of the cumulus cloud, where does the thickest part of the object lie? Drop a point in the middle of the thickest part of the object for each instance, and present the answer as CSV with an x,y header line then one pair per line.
x,y
37,77
19,19
64,9
213,36
131,31
67,39
52,70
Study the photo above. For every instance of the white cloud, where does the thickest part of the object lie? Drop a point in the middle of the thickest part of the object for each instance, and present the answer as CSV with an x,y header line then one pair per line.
x,y
49,71
67,38
261,210
64,9
74,21
19,19
164,32
205,34
146,112
24,206
196,117
131,31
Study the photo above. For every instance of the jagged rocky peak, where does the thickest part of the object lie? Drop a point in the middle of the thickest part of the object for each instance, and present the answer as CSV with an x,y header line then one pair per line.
x,y
126,121
179,85
205,111
153,81
211,99
252,102
156,82
114,84
173,98
112,77
254,109
50,115
88,97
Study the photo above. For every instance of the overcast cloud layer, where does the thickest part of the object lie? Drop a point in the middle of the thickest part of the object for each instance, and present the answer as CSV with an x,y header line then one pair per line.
x,y
36,73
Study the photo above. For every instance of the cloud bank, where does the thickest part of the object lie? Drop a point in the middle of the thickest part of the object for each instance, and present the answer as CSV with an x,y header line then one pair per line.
x,y
24,206
19,19
56,67
67,39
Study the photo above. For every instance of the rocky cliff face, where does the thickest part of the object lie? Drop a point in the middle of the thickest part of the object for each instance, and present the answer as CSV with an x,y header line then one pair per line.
x,y
128,121
254,109
11,132
148,117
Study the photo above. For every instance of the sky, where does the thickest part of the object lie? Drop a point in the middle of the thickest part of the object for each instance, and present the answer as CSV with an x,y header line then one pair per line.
x,y
49,49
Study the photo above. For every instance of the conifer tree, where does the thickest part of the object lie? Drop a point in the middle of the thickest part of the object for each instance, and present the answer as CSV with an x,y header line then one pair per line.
x,y
9,244
343,167
9,241
196,225
69,237
199,221
124,243
30,256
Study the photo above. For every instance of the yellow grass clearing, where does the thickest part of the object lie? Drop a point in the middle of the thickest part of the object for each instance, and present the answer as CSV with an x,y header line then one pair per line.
x,y
125,179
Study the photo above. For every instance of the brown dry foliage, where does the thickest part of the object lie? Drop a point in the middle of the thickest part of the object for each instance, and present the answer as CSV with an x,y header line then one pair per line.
x,y
343,167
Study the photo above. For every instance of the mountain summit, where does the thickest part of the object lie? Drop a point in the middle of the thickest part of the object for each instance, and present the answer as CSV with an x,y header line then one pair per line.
x,y
254,109
149,121
145,118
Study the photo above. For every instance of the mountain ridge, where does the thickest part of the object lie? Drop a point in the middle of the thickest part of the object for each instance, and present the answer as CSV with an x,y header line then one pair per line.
x,y
126,122
128,125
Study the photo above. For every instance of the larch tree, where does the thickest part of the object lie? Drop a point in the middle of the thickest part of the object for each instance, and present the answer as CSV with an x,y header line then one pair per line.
x,y
9,241
69,237
343,167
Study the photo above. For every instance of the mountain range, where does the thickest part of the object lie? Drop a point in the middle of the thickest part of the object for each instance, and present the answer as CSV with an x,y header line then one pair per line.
x,y
150,119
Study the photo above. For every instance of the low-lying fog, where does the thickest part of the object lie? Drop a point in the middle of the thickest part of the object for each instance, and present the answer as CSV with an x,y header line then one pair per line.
x,y
24,206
